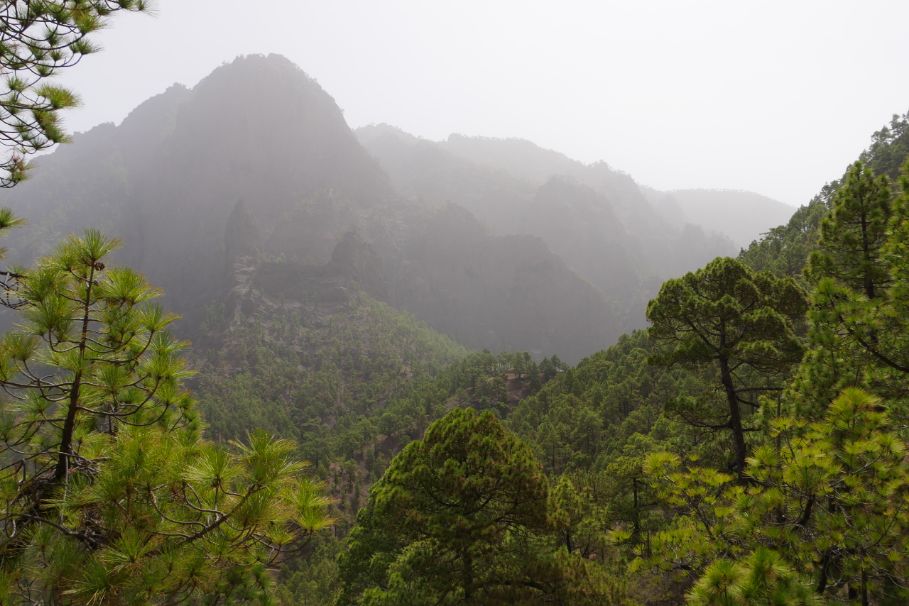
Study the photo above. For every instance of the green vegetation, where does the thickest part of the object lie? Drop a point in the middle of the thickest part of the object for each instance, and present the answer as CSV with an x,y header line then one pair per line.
x,y
109,494
306,372
749,447
460,517
737,321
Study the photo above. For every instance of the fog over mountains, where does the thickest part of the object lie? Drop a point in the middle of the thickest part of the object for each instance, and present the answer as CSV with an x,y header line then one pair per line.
x,y
499,244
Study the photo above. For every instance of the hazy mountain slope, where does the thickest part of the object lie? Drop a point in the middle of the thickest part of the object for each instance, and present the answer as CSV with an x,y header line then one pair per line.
x,y
425,171
574,221
257,159
167,179
582,228
517,157
507,293
662,244
596,219
742,216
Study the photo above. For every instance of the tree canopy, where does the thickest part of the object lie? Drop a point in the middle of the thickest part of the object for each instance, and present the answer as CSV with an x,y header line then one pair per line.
x,y
740,322
448,520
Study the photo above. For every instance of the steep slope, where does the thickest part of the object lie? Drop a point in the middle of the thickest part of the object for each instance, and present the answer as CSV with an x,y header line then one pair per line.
x,y
581,227
167,179
505,293
785,249
527,161
596,219
302,351
427,172
661,244
257,158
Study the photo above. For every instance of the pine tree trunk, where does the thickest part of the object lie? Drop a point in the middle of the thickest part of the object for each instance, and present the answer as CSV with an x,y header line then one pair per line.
x,y
735,418
467,574
69,425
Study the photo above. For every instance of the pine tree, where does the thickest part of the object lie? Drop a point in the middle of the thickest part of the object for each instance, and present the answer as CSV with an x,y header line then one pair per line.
x,y
850,249
833,498
108,492
446,520
739,326
857,319
828,497
761,578
464,516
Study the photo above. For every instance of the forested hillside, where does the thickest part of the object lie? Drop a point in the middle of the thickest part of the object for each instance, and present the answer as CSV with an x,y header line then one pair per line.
x,y
651,481
370,369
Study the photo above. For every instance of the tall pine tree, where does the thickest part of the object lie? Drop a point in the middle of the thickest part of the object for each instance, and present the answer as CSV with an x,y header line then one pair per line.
x,y
738,326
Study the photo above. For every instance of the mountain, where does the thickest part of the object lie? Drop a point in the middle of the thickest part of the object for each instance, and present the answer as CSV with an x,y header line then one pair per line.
x,y
742,216
598,220
257,159
167,179
497,243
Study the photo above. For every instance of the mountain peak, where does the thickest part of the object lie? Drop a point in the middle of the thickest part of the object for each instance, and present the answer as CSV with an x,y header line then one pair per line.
x,y
269,65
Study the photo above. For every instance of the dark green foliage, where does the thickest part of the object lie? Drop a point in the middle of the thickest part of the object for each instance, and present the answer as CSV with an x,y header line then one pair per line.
x,y
615,505
300,371
896,254
671,518
601,503
852,234
448,520
828,482
614,391
889,147
784,250
858,327
739,326
462,516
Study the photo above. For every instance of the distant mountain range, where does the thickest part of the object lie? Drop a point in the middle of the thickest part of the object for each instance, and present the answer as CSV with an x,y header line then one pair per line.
x,y
499,244
742,216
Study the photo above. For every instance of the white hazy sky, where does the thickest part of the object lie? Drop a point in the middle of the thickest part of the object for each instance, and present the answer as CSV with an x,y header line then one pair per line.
x,y
771,96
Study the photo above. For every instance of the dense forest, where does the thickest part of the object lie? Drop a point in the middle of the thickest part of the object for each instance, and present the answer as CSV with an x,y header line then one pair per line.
x,y
413,372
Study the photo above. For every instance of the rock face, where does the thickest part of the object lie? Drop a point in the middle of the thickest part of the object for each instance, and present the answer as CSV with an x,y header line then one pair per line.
x,y
257,163
257,131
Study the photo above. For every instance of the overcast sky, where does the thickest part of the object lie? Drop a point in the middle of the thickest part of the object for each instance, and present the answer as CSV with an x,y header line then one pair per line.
x,y
771,96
